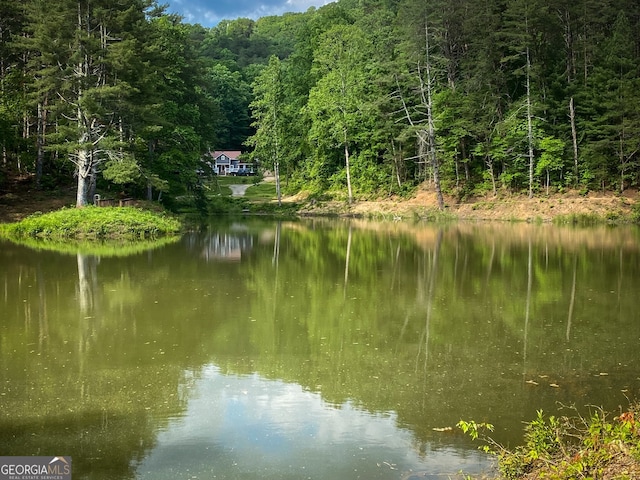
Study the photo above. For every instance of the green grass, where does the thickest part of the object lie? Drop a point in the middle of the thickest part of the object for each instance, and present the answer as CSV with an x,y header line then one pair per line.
x,y
231,180
262,191
258,199
286,210
93,222
580,219
218,191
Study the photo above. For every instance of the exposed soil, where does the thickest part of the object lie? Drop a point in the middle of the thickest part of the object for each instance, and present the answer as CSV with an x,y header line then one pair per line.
x,y
20,198
510,207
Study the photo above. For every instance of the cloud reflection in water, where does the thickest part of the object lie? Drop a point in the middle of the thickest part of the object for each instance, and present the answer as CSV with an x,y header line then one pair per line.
x,y
252,427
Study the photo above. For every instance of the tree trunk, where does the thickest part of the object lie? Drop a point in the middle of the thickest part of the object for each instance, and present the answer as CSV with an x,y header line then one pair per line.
x,y
431,129
465,161
529,125
276,161
83,154
83,170
276,168
457,168
93,178
622,162
574,139
42,125
548,181
396,163
348,168
493,176
151,149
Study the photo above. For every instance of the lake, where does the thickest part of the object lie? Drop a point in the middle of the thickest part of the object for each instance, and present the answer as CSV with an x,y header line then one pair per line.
x,y
319,349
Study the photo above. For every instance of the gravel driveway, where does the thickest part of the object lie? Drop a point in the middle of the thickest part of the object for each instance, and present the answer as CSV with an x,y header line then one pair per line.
x,y
238,190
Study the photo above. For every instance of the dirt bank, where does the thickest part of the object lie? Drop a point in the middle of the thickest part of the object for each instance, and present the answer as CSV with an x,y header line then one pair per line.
x,y
19,198
512,207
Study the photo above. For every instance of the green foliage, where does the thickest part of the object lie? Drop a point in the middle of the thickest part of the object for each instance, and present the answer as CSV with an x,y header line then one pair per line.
x,y
635,216
338,104
473,429
541,436
567,448
121,170
272,209
551,159
132,82
94,222
233,94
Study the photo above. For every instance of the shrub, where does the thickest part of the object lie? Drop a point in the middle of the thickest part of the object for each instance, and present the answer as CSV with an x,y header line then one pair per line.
x,y
566,448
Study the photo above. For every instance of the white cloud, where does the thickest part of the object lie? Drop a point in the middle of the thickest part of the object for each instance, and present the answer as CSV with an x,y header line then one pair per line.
x,y
209,12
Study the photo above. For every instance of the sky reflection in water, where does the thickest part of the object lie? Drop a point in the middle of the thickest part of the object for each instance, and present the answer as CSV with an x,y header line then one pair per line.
x,y
251,427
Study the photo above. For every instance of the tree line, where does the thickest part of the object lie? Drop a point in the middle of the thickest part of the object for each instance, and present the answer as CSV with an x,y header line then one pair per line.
x,y
357,98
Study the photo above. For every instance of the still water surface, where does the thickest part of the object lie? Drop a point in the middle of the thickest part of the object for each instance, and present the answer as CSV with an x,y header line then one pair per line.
x,y
311,349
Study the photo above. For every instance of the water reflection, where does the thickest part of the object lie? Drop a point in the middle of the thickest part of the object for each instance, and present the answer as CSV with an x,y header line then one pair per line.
x,y
382,331
226,246
249,427
87,282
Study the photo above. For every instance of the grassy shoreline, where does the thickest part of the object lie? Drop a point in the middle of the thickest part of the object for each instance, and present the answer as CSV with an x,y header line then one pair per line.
x,y
93,223
147,222
567,208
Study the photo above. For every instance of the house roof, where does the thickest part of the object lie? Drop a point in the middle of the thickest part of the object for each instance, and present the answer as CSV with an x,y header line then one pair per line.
x,y
232,154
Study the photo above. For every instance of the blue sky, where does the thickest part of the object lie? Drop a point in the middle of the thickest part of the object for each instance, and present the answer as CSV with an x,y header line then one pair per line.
x,y
209,12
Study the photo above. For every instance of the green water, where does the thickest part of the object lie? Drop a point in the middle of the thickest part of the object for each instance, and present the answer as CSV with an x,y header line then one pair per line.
x,y
312,349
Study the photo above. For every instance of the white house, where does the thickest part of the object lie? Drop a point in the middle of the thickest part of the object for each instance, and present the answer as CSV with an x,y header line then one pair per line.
x,y
227,162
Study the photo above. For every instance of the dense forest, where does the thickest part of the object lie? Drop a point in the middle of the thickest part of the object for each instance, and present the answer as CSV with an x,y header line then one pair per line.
x,y
355,99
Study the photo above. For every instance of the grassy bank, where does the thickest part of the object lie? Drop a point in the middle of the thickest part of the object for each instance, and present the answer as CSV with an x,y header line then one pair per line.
x,y
93,222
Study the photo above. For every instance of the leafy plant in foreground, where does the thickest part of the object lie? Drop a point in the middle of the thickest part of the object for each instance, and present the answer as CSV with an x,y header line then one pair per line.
x,y
566,448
